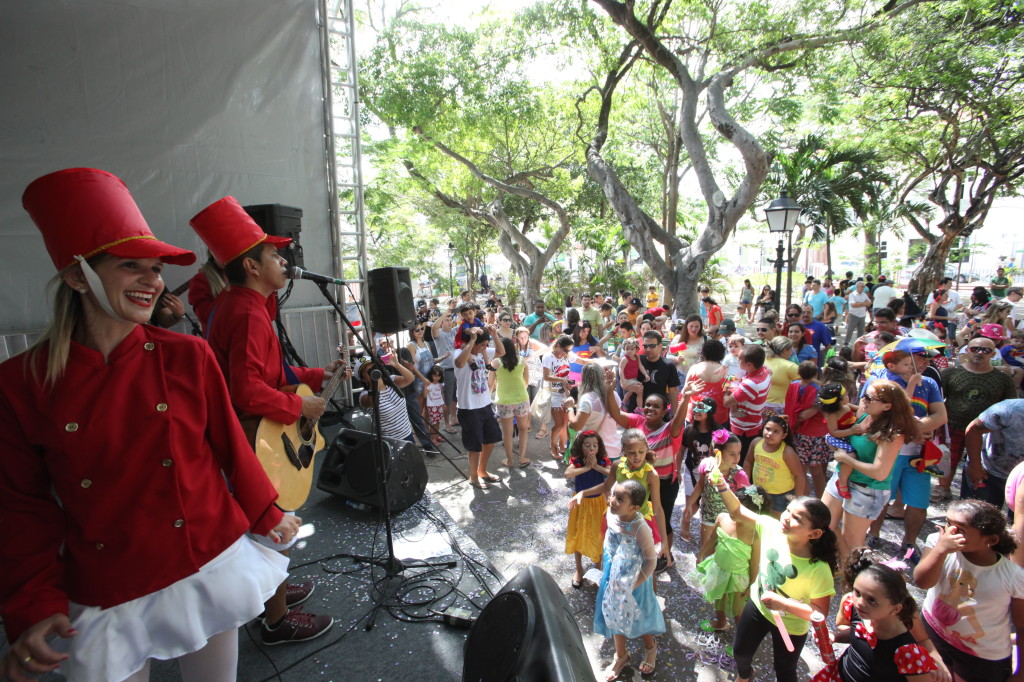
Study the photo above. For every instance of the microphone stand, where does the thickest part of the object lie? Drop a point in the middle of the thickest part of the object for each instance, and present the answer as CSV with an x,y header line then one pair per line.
x,y
392,565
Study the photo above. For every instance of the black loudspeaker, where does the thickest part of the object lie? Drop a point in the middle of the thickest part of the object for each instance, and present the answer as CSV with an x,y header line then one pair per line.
x,y
348,470
390,294
281,221
527,632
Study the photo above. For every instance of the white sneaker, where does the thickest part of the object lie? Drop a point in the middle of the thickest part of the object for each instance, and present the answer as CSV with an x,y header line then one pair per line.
x,y
940,494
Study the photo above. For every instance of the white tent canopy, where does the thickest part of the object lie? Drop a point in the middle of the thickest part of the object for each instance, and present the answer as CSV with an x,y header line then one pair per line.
x,y
185,100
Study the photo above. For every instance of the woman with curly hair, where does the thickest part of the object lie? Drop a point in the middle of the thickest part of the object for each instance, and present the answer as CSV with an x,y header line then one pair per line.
x,y
891,424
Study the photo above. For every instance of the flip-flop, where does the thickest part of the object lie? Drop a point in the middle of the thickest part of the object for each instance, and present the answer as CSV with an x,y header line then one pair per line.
x,y
490,479
523,465
449,429
538,436
507,464
482,485
577,584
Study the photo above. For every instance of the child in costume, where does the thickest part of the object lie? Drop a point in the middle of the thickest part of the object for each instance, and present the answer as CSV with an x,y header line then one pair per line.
x,y
726,462
875,618
726,575
626,606
840,416
588,467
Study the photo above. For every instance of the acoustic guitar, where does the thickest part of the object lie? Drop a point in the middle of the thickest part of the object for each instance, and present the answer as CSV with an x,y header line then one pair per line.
x,y
286,451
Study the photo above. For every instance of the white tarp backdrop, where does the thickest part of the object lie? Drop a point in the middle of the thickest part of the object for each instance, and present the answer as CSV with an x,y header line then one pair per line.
x,y
185,100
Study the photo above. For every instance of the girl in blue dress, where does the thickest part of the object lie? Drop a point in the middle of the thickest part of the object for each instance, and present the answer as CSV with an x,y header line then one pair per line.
x,y
626,606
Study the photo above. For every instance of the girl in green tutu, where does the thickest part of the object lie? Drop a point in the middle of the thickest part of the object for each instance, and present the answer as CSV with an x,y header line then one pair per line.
x,y
726,575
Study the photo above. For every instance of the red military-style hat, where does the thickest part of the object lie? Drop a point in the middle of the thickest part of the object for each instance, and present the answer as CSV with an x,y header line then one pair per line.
x,y
229,231
85,211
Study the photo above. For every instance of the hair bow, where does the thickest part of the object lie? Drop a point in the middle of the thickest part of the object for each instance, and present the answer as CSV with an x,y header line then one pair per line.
x,y
720,436
588,432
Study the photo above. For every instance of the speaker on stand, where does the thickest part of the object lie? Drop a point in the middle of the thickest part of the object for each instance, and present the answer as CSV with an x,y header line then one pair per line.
x,y
348,471
389,293
281,221
527,632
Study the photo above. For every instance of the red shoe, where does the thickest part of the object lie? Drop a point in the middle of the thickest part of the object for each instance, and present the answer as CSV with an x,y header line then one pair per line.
x,y
296,593
844,492
297,626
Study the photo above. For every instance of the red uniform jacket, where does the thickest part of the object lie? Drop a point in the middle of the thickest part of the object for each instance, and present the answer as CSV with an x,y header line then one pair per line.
x,y
242,336
111,483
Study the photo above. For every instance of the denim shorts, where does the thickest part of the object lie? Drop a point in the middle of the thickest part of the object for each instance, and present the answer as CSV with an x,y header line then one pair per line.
x,y
864,502
779,502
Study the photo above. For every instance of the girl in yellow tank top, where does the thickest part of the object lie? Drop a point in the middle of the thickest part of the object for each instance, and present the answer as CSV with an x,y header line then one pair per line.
x,y
774,465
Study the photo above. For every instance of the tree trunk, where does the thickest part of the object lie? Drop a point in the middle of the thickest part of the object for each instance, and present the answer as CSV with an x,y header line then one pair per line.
x,y
933,265
828,251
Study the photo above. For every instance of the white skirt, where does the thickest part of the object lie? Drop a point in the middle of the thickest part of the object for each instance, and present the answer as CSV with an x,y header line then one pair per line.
x,y
114,643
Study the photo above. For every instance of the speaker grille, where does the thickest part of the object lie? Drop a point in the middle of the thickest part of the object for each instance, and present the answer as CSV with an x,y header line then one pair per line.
x,y
496,641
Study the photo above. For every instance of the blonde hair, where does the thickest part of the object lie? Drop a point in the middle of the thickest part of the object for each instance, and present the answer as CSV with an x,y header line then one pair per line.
x,y
214,275
67,313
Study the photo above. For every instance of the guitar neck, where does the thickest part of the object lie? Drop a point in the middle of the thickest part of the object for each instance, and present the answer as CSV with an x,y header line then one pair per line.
x,y
326,394
179,291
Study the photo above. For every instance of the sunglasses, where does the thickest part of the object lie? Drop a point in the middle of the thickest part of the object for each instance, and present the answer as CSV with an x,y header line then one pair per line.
x,y
762,329
870,399
650,345
980,349
792,314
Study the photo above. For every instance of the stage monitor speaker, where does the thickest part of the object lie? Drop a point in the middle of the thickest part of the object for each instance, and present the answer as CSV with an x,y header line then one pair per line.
x,y
390,294
348,470
527,632
281,221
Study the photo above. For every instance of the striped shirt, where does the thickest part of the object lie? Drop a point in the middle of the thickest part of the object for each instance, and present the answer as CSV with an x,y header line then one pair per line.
x,y
394,415
750,395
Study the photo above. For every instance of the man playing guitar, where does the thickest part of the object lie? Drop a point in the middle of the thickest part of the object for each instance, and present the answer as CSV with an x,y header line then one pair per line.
x,y
241,333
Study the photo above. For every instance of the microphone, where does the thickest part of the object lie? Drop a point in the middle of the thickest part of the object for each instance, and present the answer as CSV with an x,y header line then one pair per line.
x,y
295,272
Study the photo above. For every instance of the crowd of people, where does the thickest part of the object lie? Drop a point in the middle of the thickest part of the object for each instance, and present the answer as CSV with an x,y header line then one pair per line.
x,y
791,449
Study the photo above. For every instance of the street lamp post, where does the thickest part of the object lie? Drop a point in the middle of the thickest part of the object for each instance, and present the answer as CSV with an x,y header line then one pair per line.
x,y
782,215
451,274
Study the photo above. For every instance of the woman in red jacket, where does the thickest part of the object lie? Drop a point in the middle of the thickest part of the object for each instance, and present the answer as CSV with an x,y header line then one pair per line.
x,y
121,534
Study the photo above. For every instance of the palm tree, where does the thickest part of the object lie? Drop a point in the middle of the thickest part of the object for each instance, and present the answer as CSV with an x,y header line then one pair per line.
x,y
838,187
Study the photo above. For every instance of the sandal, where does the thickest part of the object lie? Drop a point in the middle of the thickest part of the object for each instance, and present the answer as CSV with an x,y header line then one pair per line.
x,y
843,491
490,479
577,584
540,435
614,671
649,663
482,485
449,429
507,463
524,464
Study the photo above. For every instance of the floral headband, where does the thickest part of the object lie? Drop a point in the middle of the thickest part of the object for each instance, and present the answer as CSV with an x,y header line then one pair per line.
x,y
758,498
720,436
703,407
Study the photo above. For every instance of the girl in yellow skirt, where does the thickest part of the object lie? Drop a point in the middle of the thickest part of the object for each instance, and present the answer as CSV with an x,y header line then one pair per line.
x,y
588,467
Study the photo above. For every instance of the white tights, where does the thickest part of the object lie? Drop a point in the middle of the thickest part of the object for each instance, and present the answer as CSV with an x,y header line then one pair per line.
x,y
215,662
